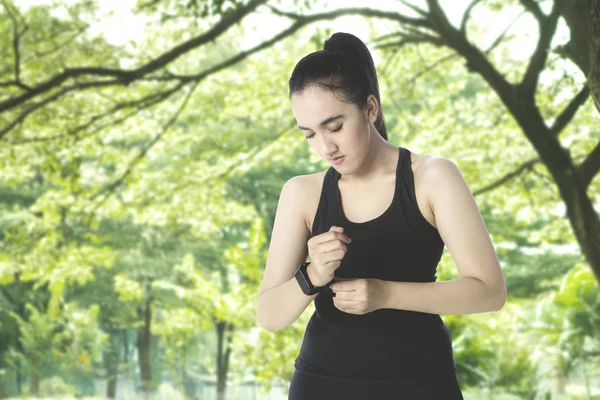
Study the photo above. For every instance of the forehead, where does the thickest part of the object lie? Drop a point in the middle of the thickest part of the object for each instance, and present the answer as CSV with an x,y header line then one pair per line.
x,y
314,104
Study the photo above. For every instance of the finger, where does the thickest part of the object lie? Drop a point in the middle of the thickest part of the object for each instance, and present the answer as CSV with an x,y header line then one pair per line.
x,y
338,305
345,307
344,296
347,302
330,236
342,289
340,279
339,285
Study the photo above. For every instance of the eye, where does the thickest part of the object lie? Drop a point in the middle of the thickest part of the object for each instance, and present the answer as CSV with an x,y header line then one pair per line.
x,y
337,129
330,130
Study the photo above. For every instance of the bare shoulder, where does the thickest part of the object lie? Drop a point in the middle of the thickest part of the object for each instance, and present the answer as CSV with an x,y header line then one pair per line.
x,y
435,171
418,160
428,164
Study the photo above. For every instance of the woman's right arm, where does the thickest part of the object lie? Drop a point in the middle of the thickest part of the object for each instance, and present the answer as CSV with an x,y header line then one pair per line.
x,y
280,298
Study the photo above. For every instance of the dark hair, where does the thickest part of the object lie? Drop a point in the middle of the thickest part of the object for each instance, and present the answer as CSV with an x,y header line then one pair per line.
x,y
345,65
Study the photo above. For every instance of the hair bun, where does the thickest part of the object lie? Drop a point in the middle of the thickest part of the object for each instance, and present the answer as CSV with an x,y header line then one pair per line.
x,y
344,43
350,46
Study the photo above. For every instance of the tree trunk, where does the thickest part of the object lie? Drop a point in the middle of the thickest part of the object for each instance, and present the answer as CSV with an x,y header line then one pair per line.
x,y
189,385
558,385
111,365
588,391
35,378
143,348
583,48
594,75
572,180
18,377
223,328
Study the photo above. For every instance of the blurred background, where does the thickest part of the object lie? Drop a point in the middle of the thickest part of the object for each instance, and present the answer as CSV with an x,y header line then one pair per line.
x,y
144,144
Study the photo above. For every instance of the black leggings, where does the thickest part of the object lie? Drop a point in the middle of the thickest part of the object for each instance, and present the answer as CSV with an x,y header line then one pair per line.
x,y
306,385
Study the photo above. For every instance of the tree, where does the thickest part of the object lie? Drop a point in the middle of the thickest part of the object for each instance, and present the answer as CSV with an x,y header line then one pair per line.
x,y
430,26
100,141
573,180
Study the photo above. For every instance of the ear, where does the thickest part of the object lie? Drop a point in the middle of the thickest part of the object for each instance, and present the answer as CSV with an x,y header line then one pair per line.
x,y
372,109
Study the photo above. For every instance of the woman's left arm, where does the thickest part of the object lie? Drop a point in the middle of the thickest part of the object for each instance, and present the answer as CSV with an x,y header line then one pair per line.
x,y
481,286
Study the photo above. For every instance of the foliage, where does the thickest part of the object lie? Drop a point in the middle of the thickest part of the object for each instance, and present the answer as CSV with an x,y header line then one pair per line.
x,y
119,197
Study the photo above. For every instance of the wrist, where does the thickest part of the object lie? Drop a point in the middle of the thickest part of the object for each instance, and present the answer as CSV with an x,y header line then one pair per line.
x,y
384,290
311,275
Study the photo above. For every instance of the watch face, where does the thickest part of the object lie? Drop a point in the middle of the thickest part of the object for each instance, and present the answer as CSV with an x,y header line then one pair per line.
x,y
304,281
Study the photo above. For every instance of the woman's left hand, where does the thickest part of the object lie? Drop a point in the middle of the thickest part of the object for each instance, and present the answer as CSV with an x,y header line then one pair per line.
x,y
358,296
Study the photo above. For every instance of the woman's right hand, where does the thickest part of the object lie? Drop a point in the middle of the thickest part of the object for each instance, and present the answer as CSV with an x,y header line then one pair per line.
x,y
326,252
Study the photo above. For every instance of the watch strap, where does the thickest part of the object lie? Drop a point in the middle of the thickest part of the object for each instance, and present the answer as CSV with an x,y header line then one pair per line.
x,y
304,281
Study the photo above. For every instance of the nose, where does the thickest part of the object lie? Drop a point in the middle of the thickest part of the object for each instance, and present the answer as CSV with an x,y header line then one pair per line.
x,y
327,145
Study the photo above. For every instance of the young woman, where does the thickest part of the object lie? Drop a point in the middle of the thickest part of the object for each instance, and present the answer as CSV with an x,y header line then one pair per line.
x,y
374,224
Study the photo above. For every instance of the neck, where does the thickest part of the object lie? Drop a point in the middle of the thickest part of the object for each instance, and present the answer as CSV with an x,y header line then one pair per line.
x,y
380,161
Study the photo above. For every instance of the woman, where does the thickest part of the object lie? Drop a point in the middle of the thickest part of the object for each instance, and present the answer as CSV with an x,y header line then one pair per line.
x,y
374,224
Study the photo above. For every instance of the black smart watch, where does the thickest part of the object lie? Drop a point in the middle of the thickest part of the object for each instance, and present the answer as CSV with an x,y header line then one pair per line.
x,y
303,280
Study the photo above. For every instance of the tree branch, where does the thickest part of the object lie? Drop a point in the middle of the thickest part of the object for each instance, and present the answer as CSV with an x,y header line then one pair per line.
x,y
476,60
534,8
425,36
139,104
109,189
127,76
588,169
49,99
412,81
503,34
240,56
414,8
569,112
233,167
547,28
438,18
436,22
367,12
300,21
526,166
407,39
466,15
16,39
60,46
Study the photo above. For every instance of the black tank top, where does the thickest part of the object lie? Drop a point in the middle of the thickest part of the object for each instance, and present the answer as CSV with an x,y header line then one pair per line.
x,y
386,344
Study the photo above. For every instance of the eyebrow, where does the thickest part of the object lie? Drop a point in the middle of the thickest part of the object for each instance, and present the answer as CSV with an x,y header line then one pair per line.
x,y
324,122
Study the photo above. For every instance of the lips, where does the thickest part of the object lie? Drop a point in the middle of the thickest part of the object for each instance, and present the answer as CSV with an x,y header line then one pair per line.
x,y
338,160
